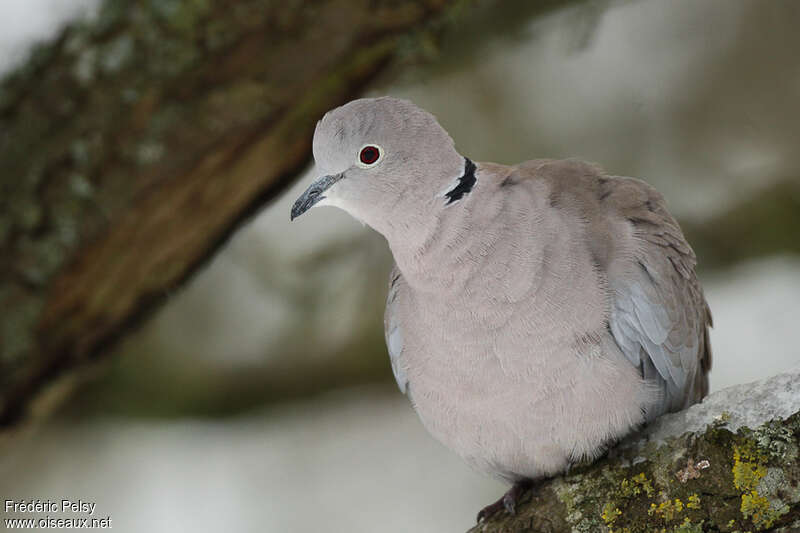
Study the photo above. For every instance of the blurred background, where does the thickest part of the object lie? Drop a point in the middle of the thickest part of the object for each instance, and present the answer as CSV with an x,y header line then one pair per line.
x,y
260,397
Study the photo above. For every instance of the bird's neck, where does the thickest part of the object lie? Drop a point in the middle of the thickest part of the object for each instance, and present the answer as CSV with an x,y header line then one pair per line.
x,y
448,248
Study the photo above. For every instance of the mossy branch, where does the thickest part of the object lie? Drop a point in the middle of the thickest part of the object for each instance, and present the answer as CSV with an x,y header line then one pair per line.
x,y
730,464
136,142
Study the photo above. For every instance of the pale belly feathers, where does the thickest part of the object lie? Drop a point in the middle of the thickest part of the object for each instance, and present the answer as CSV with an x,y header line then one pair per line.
x,y
498,373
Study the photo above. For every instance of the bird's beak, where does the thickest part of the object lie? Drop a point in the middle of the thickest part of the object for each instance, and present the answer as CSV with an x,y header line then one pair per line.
x,y
313,194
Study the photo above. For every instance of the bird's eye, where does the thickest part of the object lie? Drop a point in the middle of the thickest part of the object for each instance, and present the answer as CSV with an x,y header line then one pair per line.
x,y
369,155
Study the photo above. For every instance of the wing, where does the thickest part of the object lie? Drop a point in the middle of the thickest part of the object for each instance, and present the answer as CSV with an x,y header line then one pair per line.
x,y
659,316
394,335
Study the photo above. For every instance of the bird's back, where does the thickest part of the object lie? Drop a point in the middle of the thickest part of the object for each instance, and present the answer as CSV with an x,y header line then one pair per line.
x,y
658,314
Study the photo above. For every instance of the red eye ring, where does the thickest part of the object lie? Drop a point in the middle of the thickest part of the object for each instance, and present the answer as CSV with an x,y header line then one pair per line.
x,y
369,155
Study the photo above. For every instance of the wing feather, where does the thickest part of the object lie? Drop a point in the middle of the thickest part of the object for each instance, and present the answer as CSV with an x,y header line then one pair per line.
x,y
659,317
393,331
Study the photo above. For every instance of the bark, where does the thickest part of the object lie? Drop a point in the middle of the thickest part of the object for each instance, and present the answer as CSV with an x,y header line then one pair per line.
x,y
729,464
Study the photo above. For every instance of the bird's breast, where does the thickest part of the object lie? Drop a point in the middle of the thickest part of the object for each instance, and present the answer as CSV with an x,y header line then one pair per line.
x,y
512,391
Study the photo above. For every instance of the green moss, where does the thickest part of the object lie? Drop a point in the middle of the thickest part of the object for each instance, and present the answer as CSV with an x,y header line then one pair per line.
x,y
182,16
112,14
15,328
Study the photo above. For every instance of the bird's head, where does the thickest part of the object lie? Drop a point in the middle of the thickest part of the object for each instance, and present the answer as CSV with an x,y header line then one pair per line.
x,y
385,161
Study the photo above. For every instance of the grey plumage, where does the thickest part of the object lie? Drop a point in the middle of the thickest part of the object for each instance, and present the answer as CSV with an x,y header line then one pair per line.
x,y
542,312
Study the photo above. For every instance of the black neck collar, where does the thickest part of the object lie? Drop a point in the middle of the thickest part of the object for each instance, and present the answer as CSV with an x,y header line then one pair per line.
x,y
465,183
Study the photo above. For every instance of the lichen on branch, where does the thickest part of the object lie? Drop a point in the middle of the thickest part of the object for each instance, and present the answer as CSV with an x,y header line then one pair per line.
x,y
730,464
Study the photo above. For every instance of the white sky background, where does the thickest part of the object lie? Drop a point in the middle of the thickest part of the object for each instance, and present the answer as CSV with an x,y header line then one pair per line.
x,y
25,22
255,473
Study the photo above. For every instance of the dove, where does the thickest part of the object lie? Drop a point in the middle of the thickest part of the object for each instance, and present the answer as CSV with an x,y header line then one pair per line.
x,y
536,313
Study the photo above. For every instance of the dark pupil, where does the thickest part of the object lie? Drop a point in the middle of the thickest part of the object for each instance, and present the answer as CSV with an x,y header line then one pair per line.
x,y
369,155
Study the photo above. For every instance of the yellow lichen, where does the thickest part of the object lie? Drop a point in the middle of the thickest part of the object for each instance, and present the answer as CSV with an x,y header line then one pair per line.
x,y
629,488
667,509
757,508
747,469
635,486
610,513
687,526
693,502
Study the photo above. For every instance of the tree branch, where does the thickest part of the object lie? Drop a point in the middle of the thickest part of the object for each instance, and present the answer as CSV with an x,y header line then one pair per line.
x,y
729,464
134,144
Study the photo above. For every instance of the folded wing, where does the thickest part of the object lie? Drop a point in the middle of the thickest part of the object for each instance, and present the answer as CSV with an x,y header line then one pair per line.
x,y
659,316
